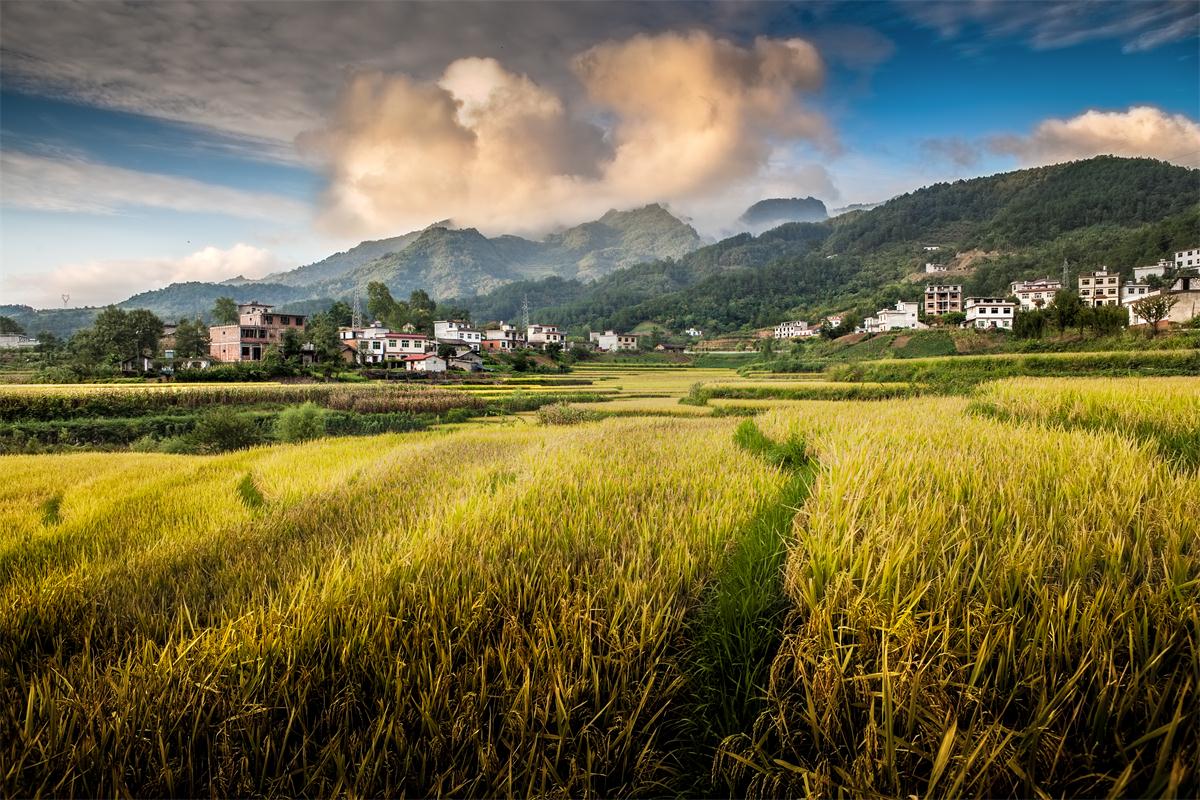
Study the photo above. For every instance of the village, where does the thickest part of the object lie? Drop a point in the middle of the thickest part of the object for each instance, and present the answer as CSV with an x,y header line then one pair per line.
x,y
1175,280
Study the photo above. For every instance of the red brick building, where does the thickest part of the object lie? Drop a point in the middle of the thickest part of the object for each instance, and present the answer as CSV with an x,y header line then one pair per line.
x,y
258,328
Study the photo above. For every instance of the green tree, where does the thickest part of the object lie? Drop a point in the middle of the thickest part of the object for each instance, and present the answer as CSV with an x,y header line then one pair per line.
x,y
8,325
290,345
341,313
380,303
322,333
1029,324
1066,309
191,339
300,423
225,311
119,335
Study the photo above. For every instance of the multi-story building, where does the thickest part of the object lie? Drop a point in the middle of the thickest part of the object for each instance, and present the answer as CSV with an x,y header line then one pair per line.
x,y
542,336
610,341
990,312
931,267
902,317
454,331
503,339
942,299
1100,288
258,328
796,329
696,332
1037,293
1187,259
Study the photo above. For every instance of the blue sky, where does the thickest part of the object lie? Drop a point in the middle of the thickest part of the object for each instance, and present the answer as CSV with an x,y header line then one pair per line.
x,y
142,145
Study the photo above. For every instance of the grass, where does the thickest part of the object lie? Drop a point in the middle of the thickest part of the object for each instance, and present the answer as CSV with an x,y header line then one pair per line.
x,y
981,609
911,596
1162,411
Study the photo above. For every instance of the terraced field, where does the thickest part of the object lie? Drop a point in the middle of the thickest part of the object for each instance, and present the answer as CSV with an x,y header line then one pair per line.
x,y
775,588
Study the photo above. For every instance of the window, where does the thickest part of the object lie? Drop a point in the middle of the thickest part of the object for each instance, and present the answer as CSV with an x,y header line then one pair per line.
x,y
269,319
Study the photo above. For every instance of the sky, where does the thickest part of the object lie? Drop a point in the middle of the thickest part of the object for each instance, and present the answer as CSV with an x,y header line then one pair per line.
x,y
143,144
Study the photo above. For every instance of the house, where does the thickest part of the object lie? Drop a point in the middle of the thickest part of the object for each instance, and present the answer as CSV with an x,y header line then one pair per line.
x,y
398,345
1132,292
14,341
1185,309
1185,259
469,361
833,321
424,363
941,299
137,365
931,248
454,331
367,345
1037,293
990,312
931,267
1140,274
610,341
503,338
694,332
670,348
796,329
1100,288
903,316
258,327
542,336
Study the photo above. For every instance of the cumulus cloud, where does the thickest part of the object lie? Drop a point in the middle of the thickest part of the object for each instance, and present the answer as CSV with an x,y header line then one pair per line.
x,y
72,184
1139,131
669,118
104,281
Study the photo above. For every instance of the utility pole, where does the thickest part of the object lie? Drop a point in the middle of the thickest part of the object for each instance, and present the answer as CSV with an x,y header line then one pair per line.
x,y
525,314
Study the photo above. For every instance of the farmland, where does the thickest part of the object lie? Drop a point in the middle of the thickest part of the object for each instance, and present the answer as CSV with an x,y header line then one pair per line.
x,y
787,585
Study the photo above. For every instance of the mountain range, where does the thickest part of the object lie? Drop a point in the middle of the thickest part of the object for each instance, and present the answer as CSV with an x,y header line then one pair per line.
x,y
646,265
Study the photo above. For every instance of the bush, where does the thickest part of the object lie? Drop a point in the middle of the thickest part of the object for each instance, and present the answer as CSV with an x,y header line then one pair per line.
x,y
220,430
300,423
563,414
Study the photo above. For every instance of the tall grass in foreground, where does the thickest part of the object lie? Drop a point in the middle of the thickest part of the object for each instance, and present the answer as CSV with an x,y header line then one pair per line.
x,y
1162,411
475,613
981,609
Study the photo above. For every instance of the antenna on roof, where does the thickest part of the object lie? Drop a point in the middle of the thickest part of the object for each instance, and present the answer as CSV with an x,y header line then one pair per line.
x,y
66,298
525,313
356,319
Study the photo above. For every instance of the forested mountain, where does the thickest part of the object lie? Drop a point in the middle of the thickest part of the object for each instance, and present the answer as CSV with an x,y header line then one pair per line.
x,y
1109,211
767,214
339,264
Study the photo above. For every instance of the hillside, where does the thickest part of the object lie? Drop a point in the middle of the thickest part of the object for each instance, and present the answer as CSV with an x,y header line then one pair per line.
x,y
1104,211
339,264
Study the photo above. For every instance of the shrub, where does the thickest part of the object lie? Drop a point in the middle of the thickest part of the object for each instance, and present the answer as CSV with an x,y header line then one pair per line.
x,y
221,429
300,423
564,414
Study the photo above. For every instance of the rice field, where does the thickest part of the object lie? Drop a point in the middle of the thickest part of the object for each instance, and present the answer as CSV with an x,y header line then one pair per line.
x,y
995,595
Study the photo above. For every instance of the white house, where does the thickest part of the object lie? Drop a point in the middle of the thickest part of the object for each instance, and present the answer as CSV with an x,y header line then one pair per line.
x,y
902,317
425,363
454,331
694,332
610,341
990,312
1132,292
1185,309
931,267
796,329
1140,274
1185,259
834,320
542,336
12,341
930,248
398,345
1100,288
506,332
1038,293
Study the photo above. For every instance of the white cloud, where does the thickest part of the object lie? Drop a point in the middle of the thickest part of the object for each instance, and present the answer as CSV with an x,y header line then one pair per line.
x,y
685,116
1139,131
99,282
71,184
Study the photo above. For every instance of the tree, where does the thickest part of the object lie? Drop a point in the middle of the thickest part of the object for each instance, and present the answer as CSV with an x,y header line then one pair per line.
x,y
554,351
119,335
419,301
225,311
954,318
191,339
1029,324
1066,309
1154,309
322,333
8,325
341,313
